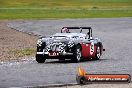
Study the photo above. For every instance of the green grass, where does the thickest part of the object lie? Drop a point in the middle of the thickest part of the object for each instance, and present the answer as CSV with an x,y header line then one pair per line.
x,y
55,9
23,52
56,14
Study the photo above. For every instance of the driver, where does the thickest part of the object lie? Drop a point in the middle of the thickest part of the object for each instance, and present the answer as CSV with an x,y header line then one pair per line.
x,y
65,30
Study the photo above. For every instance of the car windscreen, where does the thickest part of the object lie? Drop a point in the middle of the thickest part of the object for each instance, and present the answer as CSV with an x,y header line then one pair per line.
x,y
78,31
60,37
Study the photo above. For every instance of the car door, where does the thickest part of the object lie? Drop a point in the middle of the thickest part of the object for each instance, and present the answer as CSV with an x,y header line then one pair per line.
x,y
88,49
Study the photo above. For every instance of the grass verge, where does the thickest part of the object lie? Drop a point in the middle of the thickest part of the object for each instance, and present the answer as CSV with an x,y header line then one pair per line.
x,y
63,13
23,52
55,9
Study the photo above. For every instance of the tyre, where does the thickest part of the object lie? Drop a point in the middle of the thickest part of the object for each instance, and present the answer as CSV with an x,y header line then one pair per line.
x,y
98,53
40,58
77,54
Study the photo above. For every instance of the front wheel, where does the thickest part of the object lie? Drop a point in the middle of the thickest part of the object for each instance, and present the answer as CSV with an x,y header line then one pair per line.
x,y
40,58
77,54
98,53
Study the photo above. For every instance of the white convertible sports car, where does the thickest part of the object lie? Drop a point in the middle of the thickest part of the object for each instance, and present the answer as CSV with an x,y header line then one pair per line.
x,y
68,45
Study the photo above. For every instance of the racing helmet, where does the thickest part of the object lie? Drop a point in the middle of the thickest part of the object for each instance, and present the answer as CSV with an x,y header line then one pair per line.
x,y
65,30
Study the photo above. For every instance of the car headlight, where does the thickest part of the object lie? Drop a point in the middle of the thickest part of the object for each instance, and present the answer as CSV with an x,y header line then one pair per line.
x,y
39,42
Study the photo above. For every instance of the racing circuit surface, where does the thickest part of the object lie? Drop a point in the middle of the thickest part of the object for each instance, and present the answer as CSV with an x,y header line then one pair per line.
x,y
115,33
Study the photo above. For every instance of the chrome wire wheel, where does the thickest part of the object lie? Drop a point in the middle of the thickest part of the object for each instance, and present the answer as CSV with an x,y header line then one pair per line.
x,y
79,55
98,53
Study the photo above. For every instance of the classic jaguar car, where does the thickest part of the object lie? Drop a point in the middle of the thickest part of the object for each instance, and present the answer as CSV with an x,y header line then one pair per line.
x,y
69,45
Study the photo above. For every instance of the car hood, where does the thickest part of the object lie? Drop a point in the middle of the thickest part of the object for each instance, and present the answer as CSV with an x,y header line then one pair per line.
x,y
59,40
53,40
62,37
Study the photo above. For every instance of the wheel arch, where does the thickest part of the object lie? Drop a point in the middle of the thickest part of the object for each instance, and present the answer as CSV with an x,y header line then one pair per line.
x,y
78,44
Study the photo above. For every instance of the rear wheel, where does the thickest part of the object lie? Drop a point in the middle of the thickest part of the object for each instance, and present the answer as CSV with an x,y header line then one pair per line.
x,y
40,58
77,55
98,53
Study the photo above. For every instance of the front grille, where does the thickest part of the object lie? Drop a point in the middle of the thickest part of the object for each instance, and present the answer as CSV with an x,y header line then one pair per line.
x,y
56,47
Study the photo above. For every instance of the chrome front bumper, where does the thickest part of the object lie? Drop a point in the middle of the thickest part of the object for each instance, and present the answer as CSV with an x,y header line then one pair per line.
x,y
60,53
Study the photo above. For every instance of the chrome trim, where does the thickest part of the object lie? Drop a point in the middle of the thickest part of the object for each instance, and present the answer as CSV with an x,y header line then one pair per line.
x,y
63,53
66,53
40,53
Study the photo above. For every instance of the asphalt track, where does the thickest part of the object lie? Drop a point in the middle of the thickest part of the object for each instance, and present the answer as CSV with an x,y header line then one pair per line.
x,y
115,33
